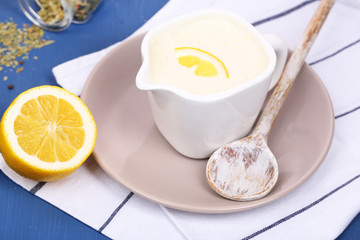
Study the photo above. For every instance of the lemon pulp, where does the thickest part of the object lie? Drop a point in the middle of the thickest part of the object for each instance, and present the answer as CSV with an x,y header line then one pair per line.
x,y
49,128
204,68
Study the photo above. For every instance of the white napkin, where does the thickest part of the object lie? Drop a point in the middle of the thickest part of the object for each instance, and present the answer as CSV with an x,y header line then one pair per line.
x,y
320,208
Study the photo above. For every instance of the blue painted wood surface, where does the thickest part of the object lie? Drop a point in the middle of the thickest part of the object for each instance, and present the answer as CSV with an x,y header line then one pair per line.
x,y
23,215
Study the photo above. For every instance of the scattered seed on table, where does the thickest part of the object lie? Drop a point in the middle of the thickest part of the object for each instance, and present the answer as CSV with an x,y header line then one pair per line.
x,y
16,42
10,86
19,69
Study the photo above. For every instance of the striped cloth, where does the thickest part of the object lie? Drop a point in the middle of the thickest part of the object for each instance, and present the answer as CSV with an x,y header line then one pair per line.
x,y
321,208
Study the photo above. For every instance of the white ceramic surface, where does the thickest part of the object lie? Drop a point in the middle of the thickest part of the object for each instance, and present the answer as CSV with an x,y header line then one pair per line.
x,y
196,125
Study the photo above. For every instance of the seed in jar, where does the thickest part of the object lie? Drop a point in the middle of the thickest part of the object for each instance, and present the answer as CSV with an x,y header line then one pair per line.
x,y
84,8
51,11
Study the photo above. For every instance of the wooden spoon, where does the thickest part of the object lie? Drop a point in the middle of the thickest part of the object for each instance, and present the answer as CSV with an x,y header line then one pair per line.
x,y
246,169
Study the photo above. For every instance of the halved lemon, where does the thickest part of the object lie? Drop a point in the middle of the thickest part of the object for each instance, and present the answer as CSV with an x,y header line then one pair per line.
x,y
207,64
46,133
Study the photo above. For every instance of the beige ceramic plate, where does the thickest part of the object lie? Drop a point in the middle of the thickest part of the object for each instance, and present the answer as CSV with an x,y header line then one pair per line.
x,y
131,150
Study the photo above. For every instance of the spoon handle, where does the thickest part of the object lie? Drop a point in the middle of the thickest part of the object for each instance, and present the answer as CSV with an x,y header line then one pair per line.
x,y
292,69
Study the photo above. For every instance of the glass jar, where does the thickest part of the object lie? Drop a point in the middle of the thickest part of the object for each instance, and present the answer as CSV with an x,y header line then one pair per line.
x,y
57,15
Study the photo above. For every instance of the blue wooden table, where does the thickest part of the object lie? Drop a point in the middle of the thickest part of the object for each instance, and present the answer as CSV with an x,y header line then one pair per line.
x,y
23,215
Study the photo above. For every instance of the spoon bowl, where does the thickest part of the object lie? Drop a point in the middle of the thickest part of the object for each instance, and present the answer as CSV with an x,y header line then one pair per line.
x,y
243,170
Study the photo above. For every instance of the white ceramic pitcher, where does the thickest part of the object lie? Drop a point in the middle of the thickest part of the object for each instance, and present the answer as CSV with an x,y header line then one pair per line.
x,y
196,125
